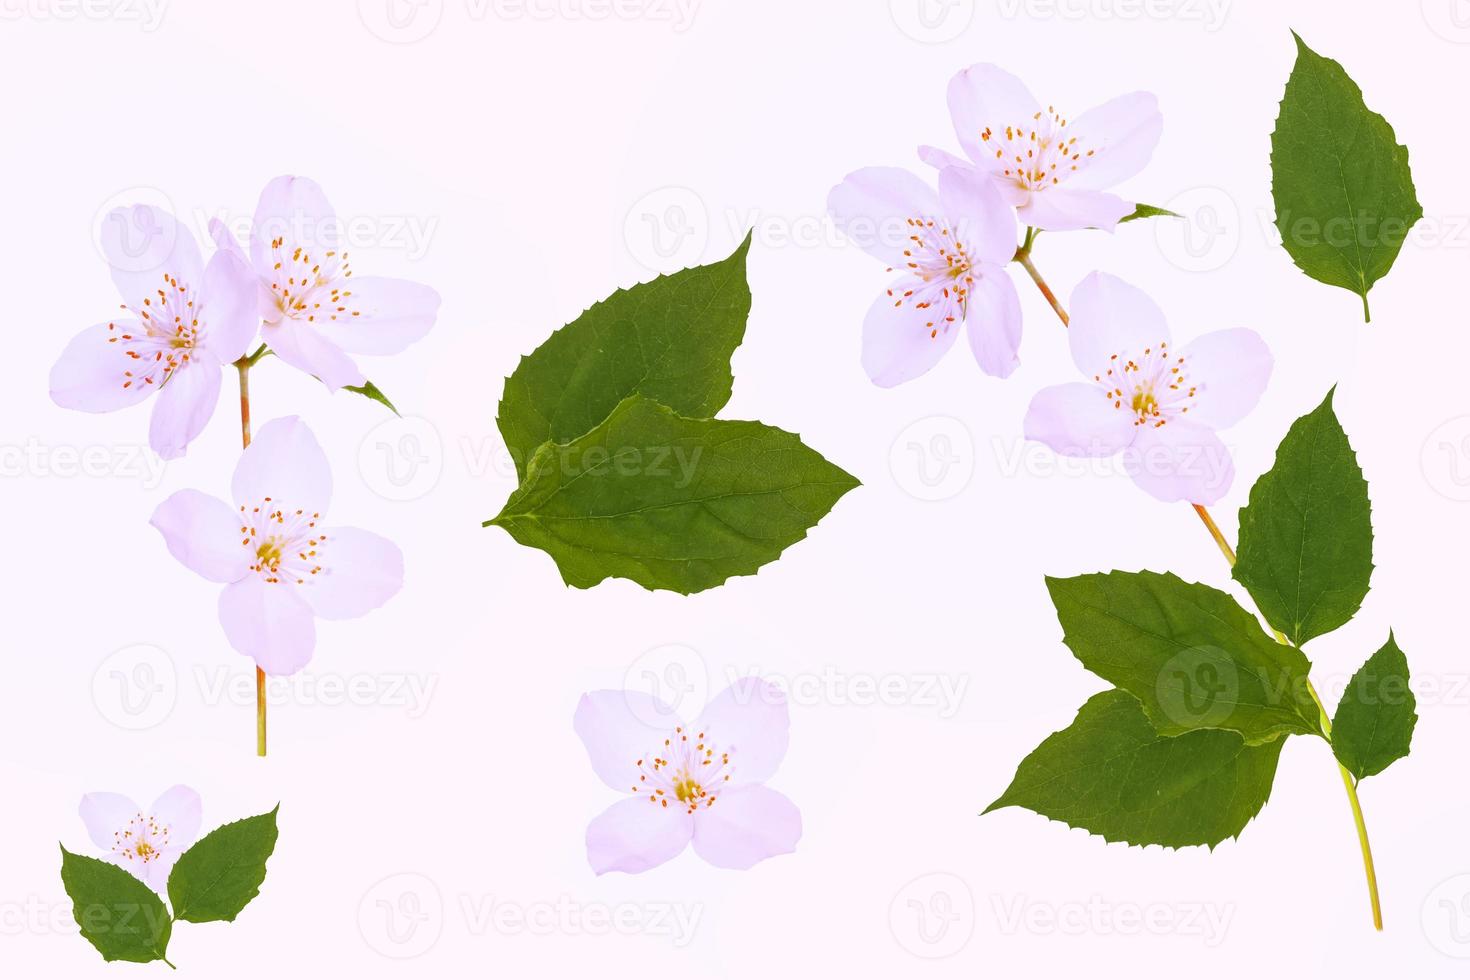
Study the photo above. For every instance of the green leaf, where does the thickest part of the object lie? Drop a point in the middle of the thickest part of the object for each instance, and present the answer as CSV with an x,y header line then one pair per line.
x,y
1375,718
369,390
1344,196
1111,774
670,502
117,913
1189,653
670,339
222,872
1306,538
1149,211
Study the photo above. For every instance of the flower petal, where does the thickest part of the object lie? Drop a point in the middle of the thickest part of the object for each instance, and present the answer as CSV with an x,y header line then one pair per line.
x,y
180,810
1062,208
296,211
89,374
636,834
225,240
750,720
940,159
1229,370
618,728
1077,420
746,826
902,341
1122,134
104,814
873,208
155,873
1180,461
303,347
268,622
982,219
145,245
360,572
985,95
186,402
1110,317
285,463
230,307
993,321
392,313
203,533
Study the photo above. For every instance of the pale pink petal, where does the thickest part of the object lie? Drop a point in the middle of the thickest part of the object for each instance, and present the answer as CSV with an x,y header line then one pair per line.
x,y
618,728
155,873
186,401
180,810
980,216
901,340
383,316
295,210
1121,134
636,834
1229,370
146,248
1180,461
875,207
268,622
750,721
985,96
230,307
993,321
360,572
1060,208
225,240
104,814
303,347
745,826
940,159
89,375
1110,317
286,464
203,533
1078,420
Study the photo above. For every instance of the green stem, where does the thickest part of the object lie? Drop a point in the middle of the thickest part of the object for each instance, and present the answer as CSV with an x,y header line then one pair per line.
x,y
1023,256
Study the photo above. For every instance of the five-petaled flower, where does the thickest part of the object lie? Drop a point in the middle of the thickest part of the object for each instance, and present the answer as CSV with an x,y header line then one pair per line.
x,y
1053,169
1158,405
950,250
145,842
281,565
185,322
315,311
699,782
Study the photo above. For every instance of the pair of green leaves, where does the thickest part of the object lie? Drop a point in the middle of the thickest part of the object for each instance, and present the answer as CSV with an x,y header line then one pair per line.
x,y
211,882
625,472
1183,751
1344,197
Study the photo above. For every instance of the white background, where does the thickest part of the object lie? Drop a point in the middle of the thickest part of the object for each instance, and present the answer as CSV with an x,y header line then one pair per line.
x,y
519,159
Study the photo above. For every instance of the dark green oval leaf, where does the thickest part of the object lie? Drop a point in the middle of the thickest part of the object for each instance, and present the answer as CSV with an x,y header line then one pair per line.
x,y
670,502
1306,538
1189,653
1375,718
222,872
1344,196
118,914
1111,774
